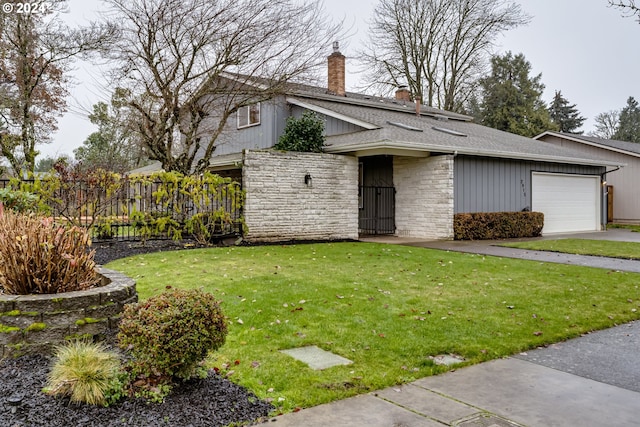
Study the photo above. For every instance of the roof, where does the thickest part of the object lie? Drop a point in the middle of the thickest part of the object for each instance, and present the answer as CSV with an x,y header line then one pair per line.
x,y
625,147
149,169
391,126
395,128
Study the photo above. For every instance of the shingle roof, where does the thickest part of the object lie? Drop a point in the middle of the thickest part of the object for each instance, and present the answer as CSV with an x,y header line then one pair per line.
x,y
435,131
630,147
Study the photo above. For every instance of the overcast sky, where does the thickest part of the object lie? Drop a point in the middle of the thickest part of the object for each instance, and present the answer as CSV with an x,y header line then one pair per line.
x,y
582,47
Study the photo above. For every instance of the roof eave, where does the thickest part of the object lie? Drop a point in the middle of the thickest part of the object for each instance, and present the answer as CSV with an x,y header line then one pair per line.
x,y
228,161
587,142
415,148
330,113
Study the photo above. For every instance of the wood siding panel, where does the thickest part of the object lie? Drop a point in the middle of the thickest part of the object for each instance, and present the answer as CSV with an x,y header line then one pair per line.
x,y
273,117
483,184
332,126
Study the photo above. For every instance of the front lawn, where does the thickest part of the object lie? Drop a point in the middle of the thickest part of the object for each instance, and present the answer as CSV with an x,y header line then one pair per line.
x,y
387,308
625,250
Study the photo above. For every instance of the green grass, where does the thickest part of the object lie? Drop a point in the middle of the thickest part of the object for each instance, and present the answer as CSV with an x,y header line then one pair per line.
x,y
385,307
632,227
626,250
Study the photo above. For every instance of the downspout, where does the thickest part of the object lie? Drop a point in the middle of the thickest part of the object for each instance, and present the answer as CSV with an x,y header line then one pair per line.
x,y
605,199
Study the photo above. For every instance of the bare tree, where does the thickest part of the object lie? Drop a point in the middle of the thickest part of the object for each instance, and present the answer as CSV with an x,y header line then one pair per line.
x,y
606,124
191,64
439,48
36,50
628,6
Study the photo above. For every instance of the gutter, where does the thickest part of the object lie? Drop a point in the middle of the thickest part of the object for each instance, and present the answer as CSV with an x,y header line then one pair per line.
x,y
458,151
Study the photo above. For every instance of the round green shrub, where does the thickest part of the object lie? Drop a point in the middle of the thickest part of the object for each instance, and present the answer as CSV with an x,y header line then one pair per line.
x,y
171,333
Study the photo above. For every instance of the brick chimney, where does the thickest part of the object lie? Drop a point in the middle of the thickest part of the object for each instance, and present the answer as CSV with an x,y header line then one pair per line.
x,y
403,94
336,61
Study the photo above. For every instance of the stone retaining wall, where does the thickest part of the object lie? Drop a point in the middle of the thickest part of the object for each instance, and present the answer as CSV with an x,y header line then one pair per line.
x,y
36,323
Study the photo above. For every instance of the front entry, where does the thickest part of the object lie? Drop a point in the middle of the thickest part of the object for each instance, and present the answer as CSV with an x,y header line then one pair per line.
x,y
376,196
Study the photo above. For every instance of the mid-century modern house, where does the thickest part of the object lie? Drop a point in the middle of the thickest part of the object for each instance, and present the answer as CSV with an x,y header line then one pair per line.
x,y
622,185
393,166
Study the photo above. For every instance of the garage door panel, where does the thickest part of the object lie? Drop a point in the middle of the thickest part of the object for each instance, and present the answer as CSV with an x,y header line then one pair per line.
x,y
569,202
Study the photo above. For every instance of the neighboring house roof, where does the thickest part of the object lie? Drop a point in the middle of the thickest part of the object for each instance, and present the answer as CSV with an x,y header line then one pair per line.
x,y
625,147
147,170
394,128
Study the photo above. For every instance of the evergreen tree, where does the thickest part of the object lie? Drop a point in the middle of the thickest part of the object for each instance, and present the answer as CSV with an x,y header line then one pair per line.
x,y
629,122
305,134
511,99
566,116
115,146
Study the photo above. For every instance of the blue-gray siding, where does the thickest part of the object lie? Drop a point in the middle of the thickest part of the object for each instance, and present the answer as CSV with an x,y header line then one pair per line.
x,y
273,118
332,126
484,184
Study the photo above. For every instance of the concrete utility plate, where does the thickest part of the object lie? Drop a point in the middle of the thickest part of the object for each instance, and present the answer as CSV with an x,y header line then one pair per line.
x,y
447,359
316,358
486,420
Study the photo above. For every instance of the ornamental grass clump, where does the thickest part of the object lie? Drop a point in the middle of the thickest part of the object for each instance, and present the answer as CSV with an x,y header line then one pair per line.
x,y
86,372
39,257
170,335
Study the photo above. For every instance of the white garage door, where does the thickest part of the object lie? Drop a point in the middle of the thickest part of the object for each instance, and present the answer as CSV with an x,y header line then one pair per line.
x,y
569,202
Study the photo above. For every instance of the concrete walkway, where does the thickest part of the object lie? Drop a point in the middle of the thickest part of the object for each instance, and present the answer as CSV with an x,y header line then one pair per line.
x,y
589,381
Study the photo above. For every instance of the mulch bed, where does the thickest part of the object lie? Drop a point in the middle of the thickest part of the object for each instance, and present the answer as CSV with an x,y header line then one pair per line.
x,y
213,401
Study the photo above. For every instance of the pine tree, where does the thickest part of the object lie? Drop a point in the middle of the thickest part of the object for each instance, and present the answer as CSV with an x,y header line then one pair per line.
x,y
629,122
511,99
566,116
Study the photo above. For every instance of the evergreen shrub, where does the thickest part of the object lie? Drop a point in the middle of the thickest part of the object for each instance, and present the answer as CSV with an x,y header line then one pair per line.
x,y
497,225
170,334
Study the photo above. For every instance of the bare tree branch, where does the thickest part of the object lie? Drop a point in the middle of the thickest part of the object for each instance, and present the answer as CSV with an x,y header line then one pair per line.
x,y
628,7
192,63
439,48
36,50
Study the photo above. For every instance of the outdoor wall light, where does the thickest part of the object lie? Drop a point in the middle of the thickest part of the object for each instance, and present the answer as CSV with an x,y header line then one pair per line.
x,y
308,180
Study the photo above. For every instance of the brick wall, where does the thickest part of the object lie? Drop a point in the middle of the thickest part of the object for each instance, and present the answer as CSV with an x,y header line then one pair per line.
x,y
424,197
279,205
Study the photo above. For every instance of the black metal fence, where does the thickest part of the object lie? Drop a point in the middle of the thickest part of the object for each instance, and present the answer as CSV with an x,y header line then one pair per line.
x,y
143,210
377,210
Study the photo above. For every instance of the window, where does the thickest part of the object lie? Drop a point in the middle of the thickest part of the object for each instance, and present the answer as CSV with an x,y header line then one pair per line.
x,y
249,115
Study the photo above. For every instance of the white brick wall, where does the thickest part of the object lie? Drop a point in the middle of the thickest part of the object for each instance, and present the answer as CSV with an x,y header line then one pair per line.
x,y
279,205
424,197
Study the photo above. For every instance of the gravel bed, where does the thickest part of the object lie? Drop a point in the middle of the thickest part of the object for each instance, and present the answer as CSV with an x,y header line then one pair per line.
x,y
213,401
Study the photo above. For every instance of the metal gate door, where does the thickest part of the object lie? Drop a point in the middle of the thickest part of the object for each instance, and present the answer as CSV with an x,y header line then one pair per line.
x,y
377,210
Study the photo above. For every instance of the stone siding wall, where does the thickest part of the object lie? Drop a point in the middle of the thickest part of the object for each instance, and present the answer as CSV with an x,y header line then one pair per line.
x,y
36,323
424,197
280,206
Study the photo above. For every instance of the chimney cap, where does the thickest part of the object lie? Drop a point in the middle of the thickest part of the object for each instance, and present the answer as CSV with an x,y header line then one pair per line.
x,y
336,46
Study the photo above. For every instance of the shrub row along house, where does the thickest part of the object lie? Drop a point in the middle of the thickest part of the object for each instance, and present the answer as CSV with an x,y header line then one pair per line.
x,y
392,166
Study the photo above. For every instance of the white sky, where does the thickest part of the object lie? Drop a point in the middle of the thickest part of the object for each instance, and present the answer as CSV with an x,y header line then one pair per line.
x,y
582,47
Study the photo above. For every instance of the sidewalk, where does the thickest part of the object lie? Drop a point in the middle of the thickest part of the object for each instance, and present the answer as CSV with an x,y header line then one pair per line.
x,y
591,381
518,391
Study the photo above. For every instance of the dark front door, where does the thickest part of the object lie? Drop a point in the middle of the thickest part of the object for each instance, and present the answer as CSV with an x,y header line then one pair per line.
x,y
377,196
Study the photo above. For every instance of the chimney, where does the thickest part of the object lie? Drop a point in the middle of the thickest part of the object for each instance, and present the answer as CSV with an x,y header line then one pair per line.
x,y
418,107
403,94
336,71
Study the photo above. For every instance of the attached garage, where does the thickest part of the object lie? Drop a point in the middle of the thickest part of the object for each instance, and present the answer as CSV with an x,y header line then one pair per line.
x,y
570,203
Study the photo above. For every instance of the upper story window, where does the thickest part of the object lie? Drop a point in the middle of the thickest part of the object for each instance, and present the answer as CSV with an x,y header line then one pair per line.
x,y
249,115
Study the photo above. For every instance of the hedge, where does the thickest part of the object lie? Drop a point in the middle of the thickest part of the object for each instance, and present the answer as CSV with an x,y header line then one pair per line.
x,y
497,225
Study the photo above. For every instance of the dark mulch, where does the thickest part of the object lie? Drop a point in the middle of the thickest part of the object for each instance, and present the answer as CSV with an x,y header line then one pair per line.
x,y
108,251
213,401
